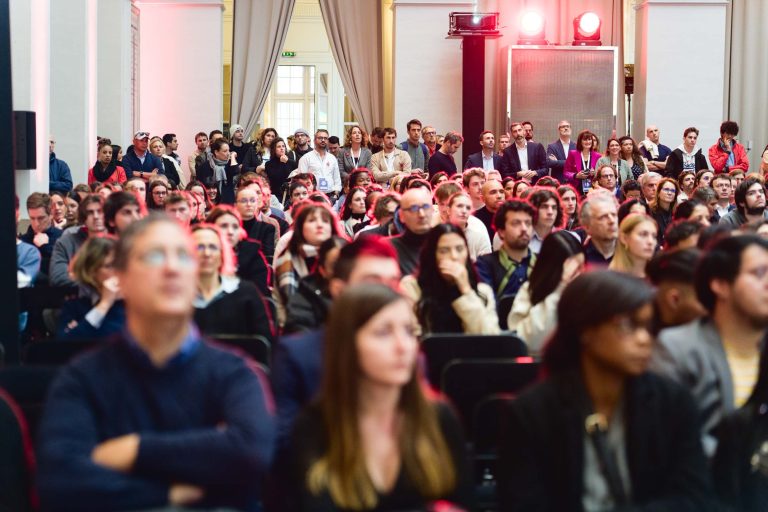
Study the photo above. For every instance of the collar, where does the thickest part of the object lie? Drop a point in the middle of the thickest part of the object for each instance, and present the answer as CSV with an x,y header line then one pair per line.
x,y
506,260
227,284
489,157
187,349
519,148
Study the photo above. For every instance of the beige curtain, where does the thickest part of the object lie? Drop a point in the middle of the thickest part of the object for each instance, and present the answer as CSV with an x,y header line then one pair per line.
x,y
260,29
354,31
746,74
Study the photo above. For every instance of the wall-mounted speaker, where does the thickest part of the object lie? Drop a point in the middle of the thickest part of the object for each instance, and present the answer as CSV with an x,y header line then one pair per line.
x,y
25,150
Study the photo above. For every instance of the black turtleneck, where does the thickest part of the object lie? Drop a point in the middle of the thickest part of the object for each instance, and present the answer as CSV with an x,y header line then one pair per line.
x,y
408,245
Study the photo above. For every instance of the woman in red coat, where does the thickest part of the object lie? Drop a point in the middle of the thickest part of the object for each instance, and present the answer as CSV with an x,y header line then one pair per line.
x,y
106,169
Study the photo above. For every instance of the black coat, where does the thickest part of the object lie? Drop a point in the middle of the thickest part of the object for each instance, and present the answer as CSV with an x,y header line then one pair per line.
x,y
541,465
252,265
307,309
205,174
241,312
675,163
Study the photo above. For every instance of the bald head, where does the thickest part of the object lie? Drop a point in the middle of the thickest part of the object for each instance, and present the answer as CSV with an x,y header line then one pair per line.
x,y
493,194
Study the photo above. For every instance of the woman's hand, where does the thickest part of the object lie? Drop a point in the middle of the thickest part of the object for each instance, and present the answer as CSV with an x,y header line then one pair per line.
x,y
571,269
455,273
110,292
283,158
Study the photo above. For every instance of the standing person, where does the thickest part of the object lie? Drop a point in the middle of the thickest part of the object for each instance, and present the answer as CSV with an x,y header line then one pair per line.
x,y
558,151
219,169
636,246
523,160
355,152
301,145
632,157
486,159
390,161
727,154
259,152
663,204
764,163
157,417
528,127
59,175
687,156
171,160
237,144
654,152
323,165
372,440
138,162
443,159
534,311
503,143
429,136
418,151
613,158
445,289
580,166
631,436
201,144
106,169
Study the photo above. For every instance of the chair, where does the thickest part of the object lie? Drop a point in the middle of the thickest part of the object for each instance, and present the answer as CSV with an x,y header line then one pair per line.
x,y
28,386
467,382
16,458
37,300
253,345
56,352
441,349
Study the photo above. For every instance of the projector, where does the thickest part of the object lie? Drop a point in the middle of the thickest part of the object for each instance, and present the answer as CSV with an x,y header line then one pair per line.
x,y
473,24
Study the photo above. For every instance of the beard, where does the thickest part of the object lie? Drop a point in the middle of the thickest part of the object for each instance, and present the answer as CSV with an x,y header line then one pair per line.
x,y
755,210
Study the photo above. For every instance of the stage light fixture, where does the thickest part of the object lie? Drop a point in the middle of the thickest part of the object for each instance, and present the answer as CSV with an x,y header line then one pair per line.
x,y
532,29
586,29
473,24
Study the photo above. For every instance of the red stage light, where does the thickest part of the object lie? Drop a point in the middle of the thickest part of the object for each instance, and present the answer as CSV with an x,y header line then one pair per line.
x,y
586,29
531,28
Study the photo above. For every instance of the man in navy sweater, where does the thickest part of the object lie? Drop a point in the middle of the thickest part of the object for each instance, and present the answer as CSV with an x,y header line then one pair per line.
x,y
156,417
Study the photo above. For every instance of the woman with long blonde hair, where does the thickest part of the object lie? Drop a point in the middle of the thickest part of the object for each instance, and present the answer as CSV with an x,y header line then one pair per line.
x,y
636,245
373,440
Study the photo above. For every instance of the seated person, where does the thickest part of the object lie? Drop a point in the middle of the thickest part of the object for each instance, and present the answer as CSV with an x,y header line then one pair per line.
x,y
225,304
373,440
101,312
157,417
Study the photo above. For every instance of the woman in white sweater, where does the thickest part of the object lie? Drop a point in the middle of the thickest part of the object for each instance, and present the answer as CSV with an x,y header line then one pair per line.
x,y
534,311
444,290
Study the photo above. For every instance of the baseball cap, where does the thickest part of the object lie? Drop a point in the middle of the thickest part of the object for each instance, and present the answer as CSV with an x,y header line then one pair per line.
x,y
141,135
301,130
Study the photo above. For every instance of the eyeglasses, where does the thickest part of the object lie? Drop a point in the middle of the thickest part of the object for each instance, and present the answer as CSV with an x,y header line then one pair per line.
x,y
159,193
159,258
321,138
669,190
430,133
248,200
207,247
563,126
416,208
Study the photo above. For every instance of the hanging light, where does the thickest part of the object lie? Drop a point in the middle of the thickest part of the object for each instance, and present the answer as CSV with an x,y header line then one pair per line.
x,y
586,29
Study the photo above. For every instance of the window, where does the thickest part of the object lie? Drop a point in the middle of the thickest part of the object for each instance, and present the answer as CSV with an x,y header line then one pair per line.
x,y
291,102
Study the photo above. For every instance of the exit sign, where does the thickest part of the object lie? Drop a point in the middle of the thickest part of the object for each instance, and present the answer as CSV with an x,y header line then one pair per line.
x,y
289,54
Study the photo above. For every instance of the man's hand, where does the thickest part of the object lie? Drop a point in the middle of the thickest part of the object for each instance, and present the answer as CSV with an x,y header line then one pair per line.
x,y
184,494
118,453
40,239
552,157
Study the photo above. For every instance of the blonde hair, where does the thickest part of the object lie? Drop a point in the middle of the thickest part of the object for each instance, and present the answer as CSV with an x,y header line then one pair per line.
x,y
622,259
90,258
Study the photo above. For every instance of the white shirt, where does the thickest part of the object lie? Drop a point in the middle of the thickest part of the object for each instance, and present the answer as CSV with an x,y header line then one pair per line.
x,y
325,169
487,162
389,160
477,238
523,155
566,148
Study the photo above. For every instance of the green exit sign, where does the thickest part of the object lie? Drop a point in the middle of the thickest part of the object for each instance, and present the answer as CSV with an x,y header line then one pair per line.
x,y
289,54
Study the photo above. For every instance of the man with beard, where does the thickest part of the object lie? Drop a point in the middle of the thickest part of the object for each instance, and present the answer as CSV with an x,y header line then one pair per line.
x,y
443,159
750,204
523,160
508,268
717,356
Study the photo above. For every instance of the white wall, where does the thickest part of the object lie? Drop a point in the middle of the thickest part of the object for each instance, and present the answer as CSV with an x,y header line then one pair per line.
x,y
680,69
180,69
113,96
427,77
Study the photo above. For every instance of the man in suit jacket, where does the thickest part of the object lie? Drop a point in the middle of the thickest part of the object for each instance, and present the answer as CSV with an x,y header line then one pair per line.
x,y
534,160
486,158
390,161
557,152
701,355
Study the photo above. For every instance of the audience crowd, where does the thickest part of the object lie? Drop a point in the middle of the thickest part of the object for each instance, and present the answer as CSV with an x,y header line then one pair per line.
x,y
636,274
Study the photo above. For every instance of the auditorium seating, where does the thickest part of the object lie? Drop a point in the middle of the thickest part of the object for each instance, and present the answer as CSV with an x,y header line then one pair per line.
x,y
254,345
15,457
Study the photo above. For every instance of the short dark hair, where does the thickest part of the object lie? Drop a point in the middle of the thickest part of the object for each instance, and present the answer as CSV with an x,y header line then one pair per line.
x,y
168,138
378,131
333,139
729,127
626,207
684,210
527,122
412,122
114,203
673,266
740,196
482,134
630,186
548,182
680,230
689,130
722,261
214,132
39,200
389,130
82,209
513,205
718,177
371,245
198,134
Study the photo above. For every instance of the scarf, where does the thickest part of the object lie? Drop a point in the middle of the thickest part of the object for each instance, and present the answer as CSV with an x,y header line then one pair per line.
x,y
651,147
101,173
218,166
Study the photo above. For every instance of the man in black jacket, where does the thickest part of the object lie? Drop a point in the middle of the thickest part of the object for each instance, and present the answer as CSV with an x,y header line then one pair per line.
x,y
686,157
523,160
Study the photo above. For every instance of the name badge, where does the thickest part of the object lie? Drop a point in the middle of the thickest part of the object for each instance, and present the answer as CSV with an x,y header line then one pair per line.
x,y
322,184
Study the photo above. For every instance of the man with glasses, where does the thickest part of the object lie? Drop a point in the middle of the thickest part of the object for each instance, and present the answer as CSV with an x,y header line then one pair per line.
x,y
157,417
723,188
415,214
750,204
324,165
717,356
557,152
301,145
429,136
606,179
138,162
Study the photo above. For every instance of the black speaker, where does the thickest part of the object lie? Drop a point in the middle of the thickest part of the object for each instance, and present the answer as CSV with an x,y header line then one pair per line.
x,y
24,150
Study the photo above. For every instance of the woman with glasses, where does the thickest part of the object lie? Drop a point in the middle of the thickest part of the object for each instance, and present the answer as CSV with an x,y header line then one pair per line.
x,y
636,244
156,194
225,304
600,429
373,439
445,288
663,204
101,312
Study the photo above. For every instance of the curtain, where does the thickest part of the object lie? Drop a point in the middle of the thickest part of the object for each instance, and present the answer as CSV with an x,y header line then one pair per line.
x,y
260,29
354,31
746,64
